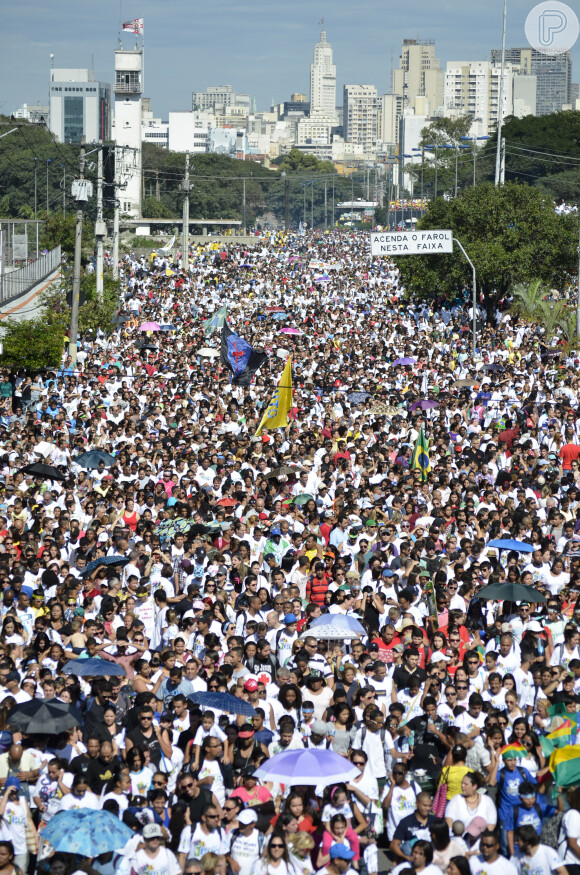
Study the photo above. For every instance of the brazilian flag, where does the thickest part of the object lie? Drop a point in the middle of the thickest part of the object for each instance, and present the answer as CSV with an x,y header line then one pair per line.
x,y
421,460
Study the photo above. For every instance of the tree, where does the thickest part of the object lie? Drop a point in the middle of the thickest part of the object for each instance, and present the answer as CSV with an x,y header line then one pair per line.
x,y
154,209
527,299
297,161
32,344
58,228
511,233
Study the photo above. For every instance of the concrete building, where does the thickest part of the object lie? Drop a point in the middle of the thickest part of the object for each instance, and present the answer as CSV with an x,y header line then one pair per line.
x,y
473,88
128,89
360,116
218,97
323,82
419,74
80,106
313,131
187,132
390,111
553,75
34,114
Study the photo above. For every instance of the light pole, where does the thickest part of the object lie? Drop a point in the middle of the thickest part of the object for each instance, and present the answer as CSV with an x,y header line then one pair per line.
x,y
48,161
498,153
474,141
457,147
63,189
421,149
435,148
35,187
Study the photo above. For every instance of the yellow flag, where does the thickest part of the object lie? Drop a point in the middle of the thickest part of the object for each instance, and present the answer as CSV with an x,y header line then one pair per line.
x,y
276,415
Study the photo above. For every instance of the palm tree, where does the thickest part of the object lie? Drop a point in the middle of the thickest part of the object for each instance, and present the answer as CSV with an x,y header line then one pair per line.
x,y
550,315
527,300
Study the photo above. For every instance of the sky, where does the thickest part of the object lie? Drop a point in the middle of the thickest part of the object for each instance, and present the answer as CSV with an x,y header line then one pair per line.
x,y
261,48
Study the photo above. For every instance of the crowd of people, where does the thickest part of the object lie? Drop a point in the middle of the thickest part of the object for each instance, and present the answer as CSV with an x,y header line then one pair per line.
x,y
201,557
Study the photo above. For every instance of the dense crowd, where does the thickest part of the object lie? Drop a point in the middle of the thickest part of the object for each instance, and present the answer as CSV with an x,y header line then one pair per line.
x,y
201,558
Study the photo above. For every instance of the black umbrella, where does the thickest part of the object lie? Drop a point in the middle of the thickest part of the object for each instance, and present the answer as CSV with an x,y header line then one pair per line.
x,y
43,717
118,320
285,471
147,346
104,562
39,469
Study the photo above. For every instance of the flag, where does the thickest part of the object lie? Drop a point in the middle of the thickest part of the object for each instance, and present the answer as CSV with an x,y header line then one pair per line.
x,y
276,415
216,321
239,357
321,21
562,736
168,246
514,751
565,765
135,26
421,460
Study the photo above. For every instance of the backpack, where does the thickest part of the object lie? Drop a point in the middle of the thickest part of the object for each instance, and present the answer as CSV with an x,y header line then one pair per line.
x,y
382,734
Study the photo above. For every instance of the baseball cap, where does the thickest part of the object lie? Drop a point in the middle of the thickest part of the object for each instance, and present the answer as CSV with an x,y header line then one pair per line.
x,y
342,852
275,531
251,685
319,727
152,831
247,816
290,618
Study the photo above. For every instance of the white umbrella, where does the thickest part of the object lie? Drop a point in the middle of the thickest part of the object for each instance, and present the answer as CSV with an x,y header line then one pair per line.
x,y
208,352
329,632
310,767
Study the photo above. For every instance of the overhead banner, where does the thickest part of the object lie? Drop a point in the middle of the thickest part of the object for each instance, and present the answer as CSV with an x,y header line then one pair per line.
x,y
411,242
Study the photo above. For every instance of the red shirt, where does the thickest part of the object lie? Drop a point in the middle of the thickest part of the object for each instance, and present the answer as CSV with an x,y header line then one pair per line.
x,y
569,453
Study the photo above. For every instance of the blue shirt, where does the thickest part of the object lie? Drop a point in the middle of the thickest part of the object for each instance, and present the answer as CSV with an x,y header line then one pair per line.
x,y
509,785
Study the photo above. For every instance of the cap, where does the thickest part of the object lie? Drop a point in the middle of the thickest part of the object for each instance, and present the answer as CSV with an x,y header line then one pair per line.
x,y
247,816
275,531
12,782
152,831
534,626
251,686
319,727
344,853
290,618
476,827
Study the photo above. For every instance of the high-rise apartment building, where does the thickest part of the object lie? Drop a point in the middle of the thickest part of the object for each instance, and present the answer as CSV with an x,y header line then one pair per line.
x,y
473,88
323,82
419,75
553,75
80,106
218,97
360,116
390,112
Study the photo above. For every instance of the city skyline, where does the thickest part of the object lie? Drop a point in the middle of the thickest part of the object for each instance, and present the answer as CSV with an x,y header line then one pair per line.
x,y
262,50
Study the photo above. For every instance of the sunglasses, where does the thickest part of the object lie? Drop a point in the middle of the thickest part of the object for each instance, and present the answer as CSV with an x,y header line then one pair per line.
x,y
277,846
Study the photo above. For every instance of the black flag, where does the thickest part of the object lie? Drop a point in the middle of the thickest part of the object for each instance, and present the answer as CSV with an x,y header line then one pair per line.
x,y
239,357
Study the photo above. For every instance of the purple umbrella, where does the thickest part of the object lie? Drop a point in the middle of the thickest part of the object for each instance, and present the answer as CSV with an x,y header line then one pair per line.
x,y
310,767
406,361
424,404
322,279
290,331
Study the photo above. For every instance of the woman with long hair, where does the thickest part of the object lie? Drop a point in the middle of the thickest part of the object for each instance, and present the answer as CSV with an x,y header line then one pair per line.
x,y
275,859
337,831
469,804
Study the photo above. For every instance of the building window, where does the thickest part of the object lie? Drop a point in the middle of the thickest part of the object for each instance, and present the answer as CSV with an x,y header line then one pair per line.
x,y
73,119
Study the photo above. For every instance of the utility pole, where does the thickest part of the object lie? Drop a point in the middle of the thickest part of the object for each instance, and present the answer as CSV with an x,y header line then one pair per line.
x,y
100,228
81,191
325,205
35,187
502,162
116,208
64,189
498,180
185,230
157,189
244,206
312,205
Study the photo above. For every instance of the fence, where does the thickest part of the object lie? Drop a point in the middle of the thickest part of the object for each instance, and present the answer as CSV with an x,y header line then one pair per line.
x,y
16,283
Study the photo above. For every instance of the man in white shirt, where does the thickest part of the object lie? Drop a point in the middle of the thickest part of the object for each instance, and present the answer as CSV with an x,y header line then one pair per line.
x,y
489,861
533,858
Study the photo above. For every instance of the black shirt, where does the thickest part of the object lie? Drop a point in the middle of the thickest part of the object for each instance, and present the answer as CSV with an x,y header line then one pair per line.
x,y
401,676
144,742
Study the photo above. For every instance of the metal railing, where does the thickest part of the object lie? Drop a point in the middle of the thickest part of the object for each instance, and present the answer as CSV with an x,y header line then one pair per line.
x,y
127,88
16,283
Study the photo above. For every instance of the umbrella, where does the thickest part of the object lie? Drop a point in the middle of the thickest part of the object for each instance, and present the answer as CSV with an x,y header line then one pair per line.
x,y
93,668
86,832
147,346
329,631
302,499
509,544
223,702
44,449
494,367
104,562
44,717
167,328
150,326
322,279
463,384
358,397
227,502
404,361
208,352
423,404
170,528
284,471
274,309
93,457
39,469
341,622
510,592
278,316
120,319
290,331
310,767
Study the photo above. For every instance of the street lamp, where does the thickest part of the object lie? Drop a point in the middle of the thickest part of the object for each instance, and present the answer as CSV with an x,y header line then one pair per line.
x,y
35,187
474,141
457,147
431,148
48,161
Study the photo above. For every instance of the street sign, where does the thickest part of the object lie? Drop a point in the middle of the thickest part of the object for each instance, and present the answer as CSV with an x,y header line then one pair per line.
x,y
411,242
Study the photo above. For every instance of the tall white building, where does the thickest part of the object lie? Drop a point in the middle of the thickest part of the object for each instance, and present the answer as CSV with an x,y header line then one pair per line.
x,y
390,111
128,89
473,88
360,116
419,75
80,106
323,82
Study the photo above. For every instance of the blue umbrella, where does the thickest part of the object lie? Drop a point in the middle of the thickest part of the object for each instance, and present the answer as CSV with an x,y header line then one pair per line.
x,y
167,328
223,702
508,544
168,529
92,458
357,397
278,316
404,361
310,767
93,667
341,622
86,832
424,404
106,562
44,717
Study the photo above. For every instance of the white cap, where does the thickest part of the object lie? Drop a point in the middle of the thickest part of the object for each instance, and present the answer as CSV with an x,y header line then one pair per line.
x,y
247,816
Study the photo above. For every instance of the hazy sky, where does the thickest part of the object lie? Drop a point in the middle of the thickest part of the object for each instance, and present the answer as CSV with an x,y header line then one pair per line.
x,y
264,48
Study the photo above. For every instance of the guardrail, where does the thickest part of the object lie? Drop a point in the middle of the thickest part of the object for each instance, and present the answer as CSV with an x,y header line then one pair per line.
x,y
16,283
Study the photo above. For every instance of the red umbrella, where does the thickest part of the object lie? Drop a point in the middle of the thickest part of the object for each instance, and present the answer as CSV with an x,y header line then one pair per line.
x,y
227,502
275,310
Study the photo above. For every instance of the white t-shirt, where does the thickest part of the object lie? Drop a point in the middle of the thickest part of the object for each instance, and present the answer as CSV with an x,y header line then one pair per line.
x,y
196,843
501,866
543,862
457,810
245,850
403,803
164,863
570,827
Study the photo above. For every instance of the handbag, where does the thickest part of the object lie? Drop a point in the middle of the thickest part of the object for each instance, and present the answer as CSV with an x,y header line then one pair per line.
x,y
440,798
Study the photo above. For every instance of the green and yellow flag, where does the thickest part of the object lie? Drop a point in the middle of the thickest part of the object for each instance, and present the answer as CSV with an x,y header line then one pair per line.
x,y
421,460
276,415
216,321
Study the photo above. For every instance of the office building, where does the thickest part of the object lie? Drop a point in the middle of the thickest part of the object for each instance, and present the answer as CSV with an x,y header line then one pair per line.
x,y
323,82
553,75
419,75
218,98
390,112
473,88
80,106
360,116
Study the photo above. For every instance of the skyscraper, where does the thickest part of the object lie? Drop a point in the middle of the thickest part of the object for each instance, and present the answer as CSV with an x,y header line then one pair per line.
x,y
323,82
360,116
419,75
553,75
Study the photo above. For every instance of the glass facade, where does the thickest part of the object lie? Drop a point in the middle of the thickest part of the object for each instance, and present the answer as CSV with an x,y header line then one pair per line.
x,y
73,119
